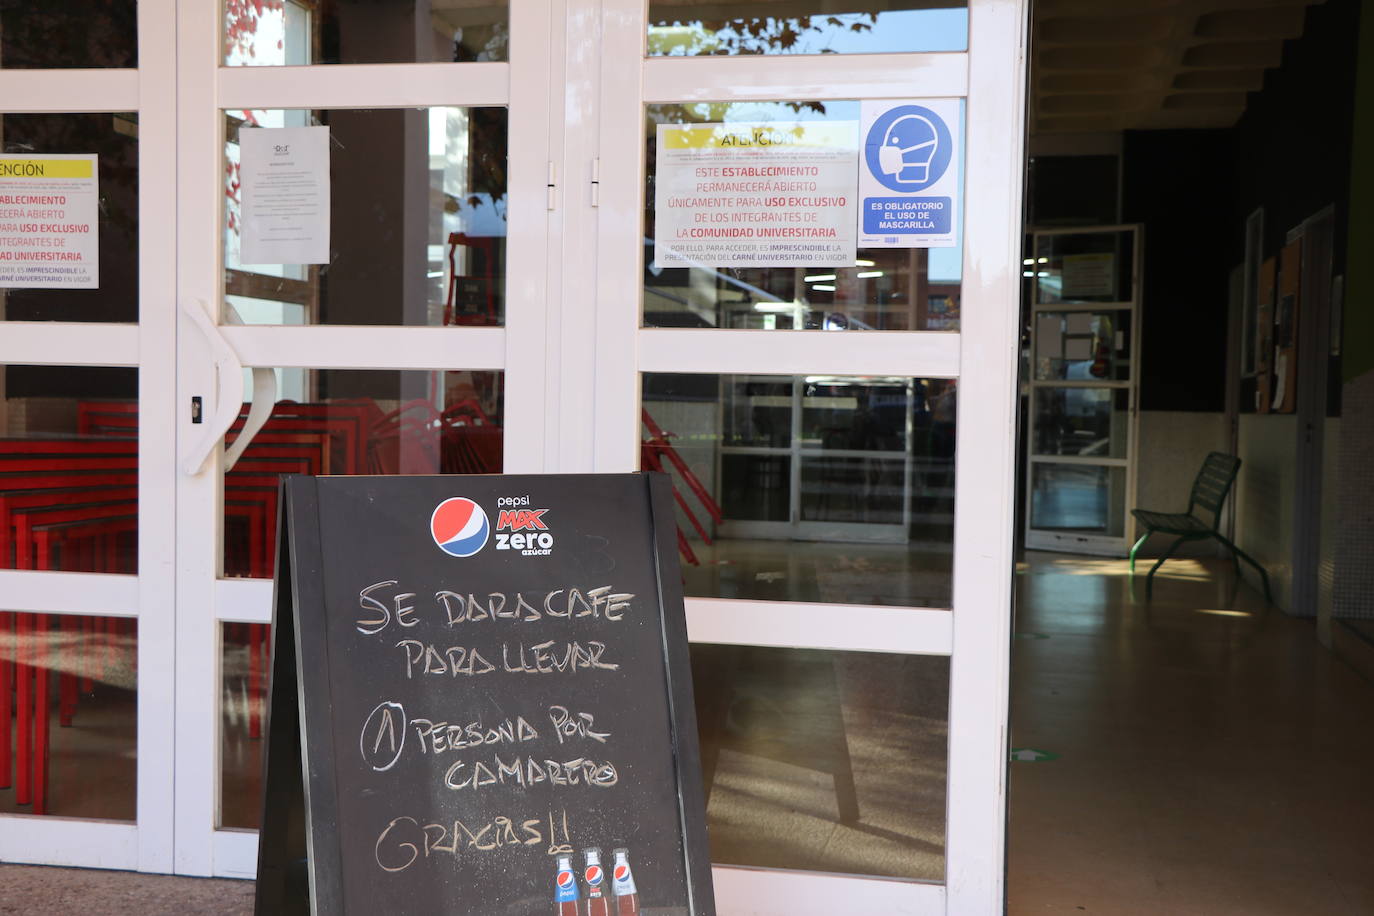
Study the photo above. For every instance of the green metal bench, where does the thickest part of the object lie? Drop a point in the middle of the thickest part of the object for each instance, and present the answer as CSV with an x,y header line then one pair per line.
x,y
1209,494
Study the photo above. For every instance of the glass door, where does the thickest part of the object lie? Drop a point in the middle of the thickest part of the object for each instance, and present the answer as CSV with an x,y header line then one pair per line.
x,y
1082,393
838,434
87,338
363,215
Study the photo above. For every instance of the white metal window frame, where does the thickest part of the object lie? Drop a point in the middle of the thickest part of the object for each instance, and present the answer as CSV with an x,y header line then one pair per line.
x,y
1079,541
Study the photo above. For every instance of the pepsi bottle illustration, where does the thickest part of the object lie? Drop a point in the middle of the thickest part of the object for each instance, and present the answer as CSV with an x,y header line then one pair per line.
x,y
598,898
565,888
623,882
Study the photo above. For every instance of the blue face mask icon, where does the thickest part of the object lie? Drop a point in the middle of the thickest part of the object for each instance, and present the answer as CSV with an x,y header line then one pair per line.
x,y
908,148
909,145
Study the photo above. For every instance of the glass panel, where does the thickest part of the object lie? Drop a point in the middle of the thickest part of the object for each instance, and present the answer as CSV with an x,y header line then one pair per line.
x,y
1083,345
1078,498
69,468
347,421
808,488
692,27
888,289
861,490
1083,267
50,268
264,33
68,723
826,761
1092,422
245,653
61,34
417,221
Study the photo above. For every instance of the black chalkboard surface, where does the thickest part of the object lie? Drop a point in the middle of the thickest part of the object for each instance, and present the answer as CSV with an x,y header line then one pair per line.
x,y
472,677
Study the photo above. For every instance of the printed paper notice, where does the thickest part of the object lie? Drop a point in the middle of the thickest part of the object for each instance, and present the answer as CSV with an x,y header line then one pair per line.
x,y
1089,275
285,184
778,194
49,237
909,182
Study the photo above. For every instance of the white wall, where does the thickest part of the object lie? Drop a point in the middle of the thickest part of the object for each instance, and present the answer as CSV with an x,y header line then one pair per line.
x,y
1264,513
1173,444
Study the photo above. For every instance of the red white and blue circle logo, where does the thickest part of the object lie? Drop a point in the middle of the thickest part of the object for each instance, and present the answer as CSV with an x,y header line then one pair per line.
x,y
593,875
459,526
622,872
566,880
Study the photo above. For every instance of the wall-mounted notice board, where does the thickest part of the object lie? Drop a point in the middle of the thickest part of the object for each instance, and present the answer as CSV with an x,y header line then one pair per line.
x,y
474,677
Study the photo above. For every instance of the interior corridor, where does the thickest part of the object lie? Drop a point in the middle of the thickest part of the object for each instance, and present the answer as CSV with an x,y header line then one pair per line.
x,y
1208,755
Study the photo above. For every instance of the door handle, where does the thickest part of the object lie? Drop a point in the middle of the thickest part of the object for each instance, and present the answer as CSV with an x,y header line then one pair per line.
x,y
228,396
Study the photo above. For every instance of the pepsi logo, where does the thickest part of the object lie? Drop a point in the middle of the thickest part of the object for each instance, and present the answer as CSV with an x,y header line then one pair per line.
x,y
566,879
593,875
622,872
459,527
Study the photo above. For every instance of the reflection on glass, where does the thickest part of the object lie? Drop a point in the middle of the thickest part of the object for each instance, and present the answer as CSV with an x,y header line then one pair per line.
x,y
1088,422
113,138
354,421
68,726
1083,267
1078,498
808,488
245,653
265,33
417,221
63,34
69,469
887,289
821,760
1082,346
691,28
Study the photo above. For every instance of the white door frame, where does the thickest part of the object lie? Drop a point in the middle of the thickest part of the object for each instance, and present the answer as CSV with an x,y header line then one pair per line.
x,y
205,90
983,357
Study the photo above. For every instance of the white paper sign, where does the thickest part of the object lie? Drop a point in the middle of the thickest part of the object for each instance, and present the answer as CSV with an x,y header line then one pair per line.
x,y
284,173
49,235
909,189
777,194
1088,275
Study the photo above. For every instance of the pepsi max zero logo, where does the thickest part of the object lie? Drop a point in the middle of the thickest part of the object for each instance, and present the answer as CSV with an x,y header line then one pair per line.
x,y
459,526
522,529
593,875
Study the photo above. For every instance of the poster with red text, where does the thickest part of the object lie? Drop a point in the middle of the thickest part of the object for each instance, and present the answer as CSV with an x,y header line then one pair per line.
x,y
49,238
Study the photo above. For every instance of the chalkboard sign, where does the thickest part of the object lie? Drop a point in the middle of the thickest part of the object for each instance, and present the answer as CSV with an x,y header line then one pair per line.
x,y
476,680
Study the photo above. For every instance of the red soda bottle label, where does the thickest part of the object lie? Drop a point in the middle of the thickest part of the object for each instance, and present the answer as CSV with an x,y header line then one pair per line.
x,y
597,902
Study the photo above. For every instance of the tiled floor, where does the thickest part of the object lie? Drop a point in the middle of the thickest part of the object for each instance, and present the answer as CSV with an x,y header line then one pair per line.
x,y
1212,758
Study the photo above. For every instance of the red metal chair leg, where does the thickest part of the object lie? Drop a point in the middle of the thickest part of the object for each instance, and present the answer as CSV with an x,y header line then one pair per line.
x,y
41,670
23,746
7,653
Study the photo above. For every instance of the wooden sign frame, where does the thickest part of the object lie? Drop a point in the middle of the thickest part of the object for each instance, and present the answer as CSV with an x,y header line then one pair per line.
x,y
303,855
